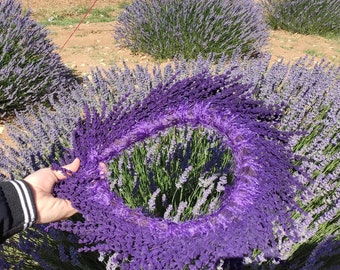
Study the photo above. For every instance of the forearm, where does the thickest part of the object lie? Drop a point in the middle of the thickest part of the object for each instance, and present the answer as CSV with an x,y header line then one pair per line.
x,y
17,208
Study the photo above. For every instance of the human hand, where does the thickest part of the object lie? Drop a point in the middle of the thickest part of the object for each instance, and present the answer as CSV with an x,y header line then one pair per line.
x,y
50,208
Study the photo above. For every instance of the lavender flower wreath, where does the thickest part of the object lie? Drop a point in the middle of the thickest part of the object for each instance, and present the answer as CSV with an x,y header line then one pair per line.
x,y
261,197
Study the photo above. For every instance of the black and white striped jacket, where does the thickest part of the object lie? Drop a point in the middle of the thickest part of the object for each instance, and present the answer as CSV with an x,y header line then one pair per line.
x,y
17,208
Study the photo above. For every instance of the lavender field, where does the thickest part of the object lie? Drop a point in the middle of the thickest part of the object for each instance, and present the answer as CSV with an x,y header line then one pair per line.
x,y
215,157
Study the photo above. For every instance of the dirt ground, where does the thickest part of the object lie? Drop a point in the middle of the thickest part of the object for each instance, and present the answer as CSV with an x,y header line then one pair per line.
x,y
93,45
35,5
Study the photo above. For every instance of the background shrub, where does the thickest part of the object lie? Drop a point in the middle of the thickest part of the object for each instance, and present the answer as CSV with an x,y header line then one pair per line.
x,y
30,70
308,92
165,28
317,17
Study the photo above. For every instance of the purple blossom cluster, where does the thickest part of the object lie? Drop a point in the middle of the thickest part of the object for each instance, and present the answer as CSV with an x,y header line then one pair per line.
x,y
248,211
268,111
167,28
30,70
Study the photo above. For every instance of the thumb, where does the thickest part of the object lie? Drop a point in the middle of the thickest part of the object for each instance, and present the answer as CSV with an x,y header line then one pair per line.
x,y
73,167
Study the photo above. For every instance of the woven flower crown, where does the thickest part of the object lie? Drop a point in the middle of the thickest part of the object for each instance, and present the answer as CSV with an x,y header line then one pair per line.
x,y
261,197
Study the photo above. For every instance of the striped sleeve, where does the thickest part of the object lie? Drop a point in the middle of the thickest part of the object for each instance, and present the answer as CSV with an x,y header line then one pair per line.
x,y
18,210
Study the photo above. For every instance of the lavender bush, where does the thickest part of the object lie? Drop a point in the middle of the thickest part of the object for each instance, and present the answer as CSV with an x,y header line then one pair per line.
x,y
256,94
145,175
166,28
35,250
30,70
316,17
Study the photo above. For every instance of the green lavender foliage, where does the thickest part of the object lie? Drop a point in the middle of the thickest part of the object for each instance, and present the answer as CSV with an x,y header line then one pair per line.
x,y
36,251
311,17
177,166
166,28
